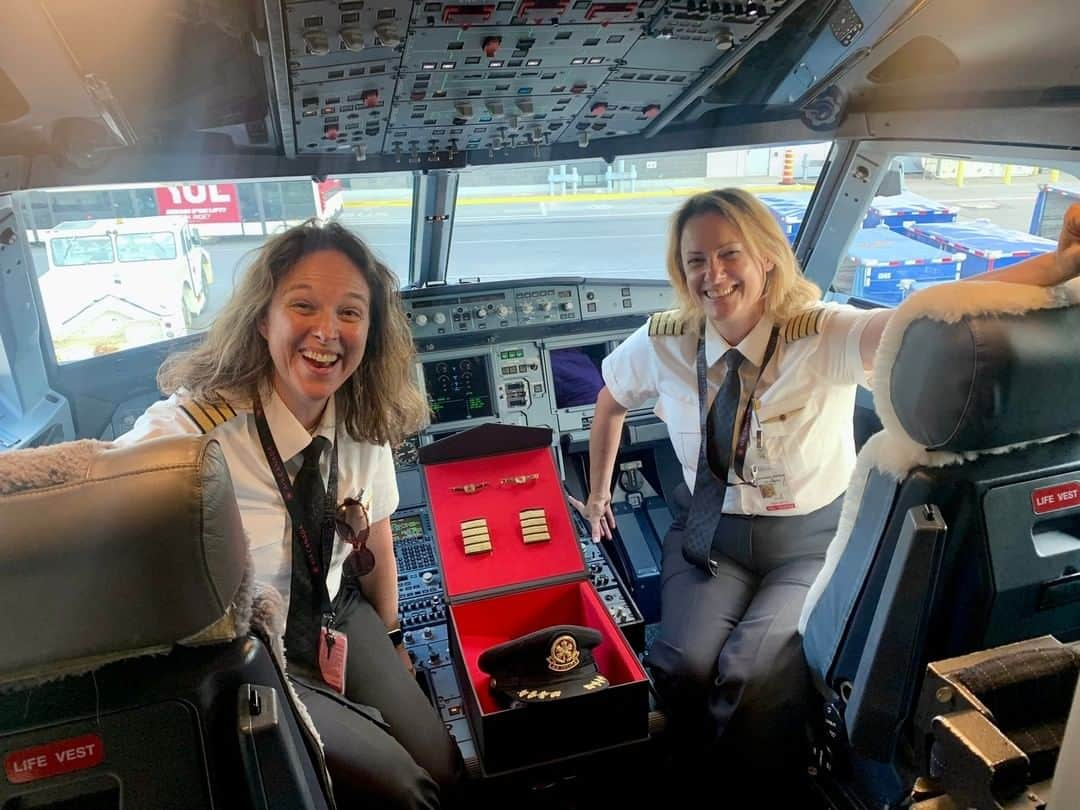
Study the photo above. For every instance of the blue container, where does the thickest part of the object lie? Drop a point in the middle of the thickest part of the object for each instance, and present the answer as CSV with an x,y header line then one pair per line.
x,y
888,265
789,210
988,246
1050,208
905,207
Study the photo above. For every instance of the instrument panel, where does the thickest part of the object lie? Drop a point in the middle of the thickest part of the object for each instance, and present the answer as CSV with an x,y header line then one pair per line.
x,y
474,308
526,354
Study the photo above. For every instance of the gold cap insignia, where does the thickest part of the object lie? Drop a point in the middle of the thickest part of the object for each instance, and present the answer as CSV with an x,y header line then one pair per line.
x,y
564,654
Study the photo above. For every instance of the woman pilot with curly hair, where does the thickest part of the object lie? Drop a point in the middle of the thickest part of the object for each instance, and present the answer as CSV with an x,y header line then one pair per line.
x,y
305,381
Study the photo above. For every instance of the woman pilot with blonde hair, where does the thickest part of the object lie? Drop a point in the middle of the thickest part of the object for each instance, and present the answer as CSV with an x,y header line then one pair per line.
x,y
755,379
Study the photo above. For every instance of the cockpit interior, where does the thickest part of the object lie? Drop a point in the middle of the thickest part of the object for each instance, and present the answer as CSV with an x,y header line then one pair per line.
x,y
516,164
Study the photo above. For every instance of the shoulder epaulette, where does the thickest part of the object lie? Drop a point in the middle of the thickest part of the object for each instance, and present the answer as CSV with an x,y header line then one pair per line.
x,y
666,324
804,324
205,414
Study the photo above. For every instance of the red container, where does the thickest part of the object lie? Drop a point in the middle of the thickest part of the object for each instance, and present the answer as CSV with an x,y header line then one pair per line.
x,y
518,588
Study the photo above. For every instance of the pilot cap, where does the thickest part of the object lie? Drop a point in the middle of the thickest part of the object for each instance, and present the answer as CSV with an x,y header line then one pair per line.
x,y
549,664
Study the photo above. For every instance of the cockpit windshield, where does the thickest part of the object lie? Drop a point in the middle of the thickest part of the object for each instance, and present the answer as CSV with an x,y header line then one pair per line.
x,y
599,219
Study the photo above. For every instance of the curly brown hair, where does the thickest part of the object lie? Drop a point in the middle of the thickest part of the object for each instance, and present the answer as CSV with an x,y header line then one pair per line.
x,y
379,403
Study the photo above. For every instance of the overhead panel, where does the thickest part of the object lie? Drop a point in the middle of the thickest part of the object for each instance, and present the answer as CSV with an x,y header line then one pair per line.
x,y
428,79
492,87
343,60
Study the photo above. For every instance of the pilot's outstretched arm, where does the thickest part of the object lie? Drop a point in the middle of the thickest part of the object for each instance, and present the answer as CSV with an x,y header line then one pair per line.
x,y
1044,270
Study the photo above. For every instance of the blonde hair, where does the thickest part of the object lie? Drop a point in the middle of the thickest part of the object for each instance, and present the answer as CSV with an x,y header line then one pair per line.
x,y
787,291
379,403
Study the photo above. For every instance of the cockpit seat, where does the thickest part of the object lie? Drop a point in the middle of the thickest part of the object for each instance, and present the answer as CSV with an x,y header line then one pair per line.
x,y
960,529
129,666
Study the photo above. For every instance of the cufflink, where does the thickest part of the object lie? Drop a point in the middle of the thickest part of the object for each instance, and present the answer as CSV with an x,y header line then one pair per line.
x,y
534,525
469,489
475,536
520,480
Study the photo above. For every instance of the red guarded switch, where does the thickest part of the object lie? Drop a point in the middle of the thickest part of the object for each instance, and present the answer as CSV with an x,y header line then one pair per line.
x,y
370,98
491,46
599,108
651,110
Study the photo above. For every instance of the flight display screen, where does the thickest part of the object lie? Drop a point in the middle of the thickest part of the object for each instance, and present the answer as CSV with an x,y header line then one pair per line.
x,y
459,389
409,527
575,371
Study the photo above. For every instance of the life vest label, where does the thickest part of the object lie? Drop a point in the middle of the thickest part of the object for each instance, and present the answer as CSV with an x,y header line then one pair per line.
x,y
1056,498
53,759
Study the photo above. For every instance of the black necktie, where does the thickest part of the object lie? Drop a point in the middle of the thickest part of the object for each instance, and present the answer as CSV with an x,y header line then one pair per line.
x,y
714,459
305,594
722,416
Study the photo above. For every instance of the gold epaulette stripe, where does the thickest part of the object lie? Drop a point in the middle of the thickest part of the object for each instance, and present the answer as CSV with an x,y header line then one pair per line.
x,y
207,415
666,324
804,325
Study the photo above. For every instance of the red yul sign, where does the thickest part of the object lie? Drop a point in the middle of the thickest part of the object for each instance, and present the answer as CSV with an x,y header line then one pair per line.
x,y
201,204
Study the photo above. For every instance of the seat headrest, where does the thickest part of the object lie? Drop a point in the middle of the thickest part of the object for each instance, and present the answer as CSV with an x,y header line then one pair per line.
x,y
111,552
980,365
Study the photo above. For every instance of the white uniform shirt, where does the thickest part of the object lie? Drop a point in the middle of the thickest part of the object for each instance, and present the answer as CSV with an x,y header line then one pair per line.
x,y
361,466
805,401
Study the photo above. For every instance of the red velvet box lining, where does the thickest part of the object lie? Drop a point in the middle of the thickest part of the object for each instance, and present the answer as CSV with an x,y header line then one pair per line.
x,y
486,622
510,562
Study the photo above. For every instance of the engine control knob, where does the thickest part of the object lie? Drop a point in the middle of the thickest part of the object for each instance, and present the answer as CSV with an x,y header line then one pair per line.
x,y
317,42
352,38
388,34
526,308
502,310
480,313
429,633
439,318
427,576
420,320
566,306
545,306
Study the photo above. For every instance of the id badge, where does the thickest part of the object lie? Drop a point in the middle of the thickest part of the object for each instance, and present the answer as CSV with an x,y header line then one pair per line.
x,y
771,479
333,652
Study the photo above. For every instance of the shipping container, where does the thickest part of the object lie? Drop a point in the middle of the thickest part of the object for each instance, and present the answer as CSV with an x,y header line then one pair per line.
x,y
988,246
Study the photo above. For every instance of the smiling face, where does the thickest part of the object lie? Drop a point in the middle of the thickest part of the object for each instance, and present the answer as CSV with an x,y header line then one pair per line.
x,y
722,275
316,328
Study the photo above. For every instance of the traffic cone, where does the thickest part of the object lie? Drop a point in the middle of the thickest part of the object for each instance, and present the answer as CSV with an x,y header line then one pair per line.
x,y
788,177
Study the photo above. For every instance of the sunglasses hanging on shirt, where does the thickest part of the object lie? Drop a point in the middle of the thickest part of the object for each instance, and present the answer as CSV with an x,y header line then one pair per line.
x,y
354,526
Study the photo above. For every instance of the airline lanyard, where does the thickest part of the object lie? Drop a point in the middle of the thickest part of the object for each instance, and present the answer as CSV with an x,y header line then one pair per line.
x,y
314,556
703,408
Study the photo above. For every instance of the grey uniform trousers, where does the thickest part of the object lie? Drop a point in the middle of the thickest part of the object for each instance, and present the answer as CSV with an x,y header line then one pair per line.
x,y
728,661
385,744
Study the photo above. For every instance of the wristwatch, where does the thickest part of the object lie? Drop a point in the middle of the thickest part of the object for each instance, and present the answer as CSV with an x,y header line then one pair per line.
x,y
396,637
